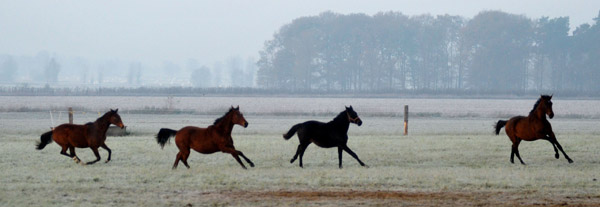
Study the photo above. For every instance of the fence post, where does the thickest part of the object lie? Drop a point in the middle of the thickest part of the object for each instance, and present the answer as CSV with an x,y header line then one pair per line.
x,y
70,115
405,119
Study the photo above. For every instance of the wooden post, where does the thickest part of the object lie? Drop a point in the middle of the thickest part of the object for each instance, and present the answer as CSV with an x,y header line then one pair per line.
x,y
70,115
405,119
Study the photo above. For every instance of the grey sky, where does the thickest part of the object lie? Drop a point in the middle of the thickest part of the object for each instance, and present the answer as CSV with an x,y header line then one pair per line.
x,y
209,31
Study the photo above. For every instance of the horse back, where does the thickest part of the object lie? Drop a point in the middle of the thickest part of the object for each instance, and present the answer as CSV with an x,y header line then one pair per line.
x,y
321,134
202,140
70,134
527,128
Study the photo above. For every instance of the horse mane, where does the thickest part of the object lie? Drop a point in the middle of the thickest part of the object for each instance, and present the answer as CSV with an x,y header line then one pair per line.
x,y
340,116
103,116
538,103
223,117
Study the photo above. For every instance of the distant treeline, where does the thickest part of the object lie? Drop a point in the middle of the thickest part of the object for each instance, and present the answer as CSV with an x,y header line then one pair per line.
x,y
493,51
197,92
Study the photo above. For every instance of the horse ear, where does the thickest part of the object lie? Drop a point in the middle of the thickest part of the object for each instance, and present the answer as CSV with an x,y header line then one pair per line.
x,y
237,108
350,106
116,110
551,96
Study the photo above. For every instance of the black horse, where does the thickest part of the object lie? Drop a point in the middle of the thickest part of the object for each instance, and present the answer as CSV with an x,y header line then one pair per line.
x,y
326,135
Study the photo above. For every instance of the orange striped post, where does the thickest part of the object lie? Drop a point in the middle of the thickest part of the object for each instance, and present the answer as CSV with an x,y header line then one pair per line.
x,y
405,119
70,115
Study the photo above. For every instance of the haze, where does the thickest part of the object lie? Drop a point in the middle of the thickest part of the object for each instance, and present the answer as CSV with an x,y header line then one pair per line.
x,y
158,33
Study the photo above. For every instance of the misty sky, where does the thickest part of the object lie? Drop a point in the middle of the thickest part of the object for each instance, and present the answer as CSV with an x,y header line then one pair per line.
x,y
209,31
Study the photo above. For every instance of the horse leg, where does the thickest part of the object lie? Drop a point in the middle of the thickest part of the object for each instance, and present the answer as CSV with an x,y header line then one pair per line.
x,y
245,158
516,150
73,155
349,151
95,150
63,151
297,153
553,140
177,158
304,146
184,156
107,149
340,149
235,154
553,146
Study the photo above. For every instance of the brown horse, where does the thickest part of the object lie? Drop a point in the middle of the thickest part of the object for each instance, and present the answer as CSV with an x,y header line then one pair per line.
x,y
531,128
214,138
92,135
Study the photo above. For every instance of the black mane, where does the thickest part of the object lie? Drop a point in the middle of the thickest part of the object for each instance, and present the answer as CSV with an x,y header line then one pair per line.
x,y
341,116
221,118
109,113
538,102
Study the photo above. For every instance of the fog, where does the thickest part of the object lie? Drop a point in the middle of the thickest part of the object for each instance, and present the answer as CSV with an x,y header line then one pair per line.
x,y
158,43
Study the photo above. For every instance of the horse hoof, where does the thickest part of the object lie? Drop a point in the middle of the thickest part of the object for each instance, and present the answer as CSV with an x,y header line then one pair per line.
x,y
570,161
366,166
251,164
556,156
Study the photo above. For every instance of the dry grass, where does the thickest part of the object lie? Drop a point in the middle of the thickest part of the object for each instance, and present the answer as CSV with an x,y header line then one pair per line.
x,y
442,162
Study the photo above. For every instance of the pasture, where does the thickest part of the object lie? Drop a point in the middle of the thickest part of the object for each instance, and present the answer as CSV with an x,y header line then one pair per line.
x,y
450,156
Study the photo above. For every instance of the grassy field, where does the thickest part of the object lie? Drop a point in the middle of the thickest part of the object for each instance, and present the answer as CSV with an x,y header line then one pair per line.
x,y
443,161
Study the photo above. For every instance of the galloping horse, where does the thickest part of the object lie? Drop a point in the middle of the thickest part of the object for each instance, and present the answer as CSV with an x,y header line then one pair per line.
x,y
531,128
326,135
92,135
214,138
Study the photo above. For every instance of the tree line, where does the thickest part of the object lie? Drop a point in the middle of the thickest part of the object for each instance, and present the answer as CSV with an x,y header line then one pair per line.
x,y
390,51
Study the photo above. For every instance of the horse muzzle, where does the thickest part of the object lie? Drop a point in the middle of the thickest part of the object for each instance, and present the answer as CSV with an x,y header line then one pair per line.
x,y
245,124
358,122
121,125
551,115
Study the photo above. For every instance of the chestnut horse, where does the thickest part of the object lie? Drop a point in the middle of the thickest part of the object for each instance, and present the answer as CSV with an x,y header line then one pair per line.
x,y
531,128
326,135
214,138
92,135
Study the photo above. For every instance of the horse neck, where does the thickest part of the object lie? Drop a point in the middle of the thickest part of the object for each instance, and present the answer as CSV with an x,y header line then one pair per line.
x,y
102,123
225,124
538,113
341,121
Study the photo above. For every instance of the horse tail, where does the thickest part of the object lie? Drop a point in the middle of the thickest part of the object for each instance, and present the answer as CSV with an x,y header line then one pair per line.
x,y
45,139
163,136
499,125
292,131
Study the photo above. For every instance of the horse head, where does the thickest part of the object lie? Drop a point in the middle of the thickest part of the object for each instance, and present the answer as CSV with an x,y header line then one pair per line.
x,y
353,116
115,118
238,117
546,105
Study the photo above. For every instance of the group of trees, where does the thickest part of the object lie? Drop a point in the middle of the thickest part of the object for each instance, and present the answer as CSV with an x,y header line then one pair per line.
x,y
391,51
233,73
58,71
9,68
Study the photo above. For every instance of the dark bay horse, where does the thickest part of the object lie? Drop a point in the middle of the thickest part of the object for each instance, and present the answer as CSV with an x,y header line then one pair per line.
x,y
326,135
92,135
531,128
214,138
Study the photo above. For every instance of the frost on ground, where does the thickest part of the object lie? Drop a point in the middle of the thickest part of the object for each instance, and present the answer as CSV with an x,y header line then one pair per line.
x,y
443,161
